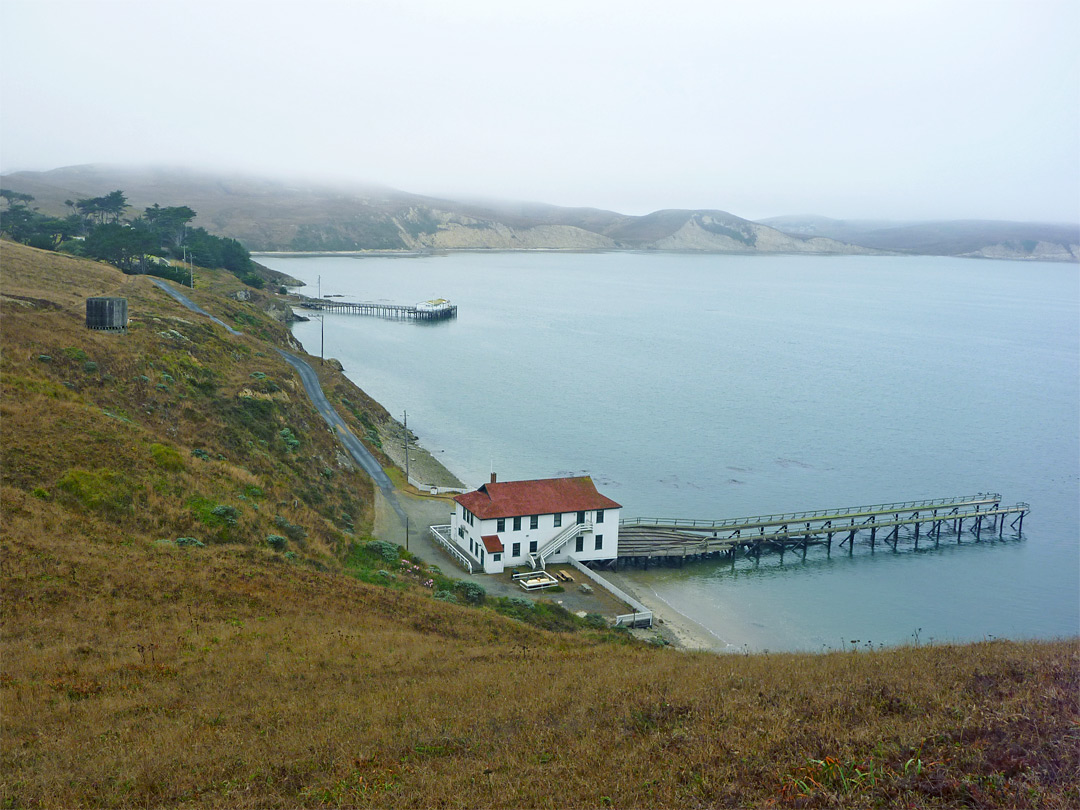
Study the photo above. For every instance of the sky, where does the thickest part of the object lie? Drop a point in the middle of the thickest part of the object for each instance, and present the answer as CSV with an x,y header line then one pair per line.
x,y
935,109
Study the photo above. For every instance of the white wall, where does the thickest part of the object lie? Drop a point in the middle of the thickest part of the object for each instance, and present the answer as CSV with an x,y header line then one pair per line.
x,y
471,543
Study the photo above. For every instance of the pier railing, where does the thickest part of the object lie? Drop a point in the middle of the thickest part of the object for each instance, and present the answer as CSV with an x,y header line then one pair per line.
x,y
428,311
645,538
813,516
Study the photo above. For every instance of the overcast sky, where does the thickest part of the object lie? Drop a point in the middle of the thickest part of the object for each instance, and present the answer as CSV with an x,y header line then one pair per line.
x,y
864,109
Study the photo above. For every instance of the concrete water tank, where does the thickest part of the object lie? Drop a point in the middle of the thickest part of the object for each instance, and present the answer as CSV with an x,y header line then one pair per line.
x,y
110,314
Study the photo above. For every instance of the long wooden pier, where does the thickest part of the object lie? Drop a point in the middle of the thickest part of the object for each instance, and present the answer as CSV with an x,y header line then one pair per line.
x,y
642,540
437,310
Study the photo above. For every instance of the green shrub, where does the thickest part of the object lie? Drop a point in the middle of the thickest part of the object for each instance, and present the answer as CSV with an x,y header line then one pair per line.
x,y
516,607
296,533
276,542
214,515
388,551
471,593
190,541
445,596
90,367
228,514
543,614
290,440
101,489
75,354
168,458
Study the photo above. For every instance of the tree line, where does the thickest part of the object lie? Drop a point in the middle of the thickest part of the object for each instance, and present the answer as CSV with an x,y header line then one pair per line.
x,y
94,228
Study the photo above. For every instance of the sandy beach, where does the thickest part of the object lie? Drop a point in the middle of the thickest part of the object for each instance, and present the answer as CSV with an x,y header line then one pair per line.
x,y
678,629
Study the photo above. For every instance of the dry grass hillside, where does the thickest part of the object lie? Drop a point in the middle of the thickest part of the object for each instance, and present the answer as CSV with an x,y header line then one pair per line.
x,y
138,671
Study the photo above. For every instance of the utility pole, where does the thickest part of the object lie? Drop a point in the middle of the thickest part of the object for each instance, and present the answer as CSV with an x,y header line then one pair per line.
x,y
322,337
406,447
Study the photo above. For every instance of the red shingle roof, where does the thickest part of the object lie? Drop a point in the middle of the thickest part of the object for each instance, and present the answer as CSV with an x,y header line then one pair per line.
x,y
492,542
545,496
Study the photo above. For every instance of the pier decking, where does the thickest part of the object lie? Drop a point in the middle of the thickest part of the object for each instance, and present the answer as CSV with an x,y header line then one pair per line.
x,y
644,539
437,310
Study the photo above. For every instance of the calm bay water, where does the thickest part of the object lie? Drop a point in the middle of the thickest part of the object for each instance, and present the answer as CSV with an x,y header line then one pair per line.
x,y
724,386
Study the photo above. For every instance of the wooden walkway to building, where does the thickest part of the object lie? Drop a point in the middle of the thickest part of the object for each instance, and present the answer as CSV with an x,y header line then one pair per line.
x,y
437,310
642,540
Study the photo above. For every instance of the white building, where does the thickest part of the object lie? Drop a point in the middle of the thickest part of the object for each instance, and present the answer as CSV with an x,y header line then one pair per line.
x,y
532,523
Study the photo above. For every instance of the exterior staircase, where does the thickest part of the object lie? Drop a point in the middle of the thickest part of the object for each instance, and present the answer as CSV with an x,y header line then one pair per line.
x,y
539,557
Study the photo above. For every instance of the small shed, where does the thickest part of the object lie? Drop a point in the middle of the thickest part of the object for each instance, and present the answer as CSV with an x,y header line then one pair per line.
x,y
107,314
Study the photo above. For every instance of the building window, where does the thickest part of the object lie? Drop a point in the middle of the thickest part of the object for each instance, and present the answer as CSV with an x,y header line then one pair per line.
x,y
481,556
517,550
580,545
517,524
461,531
500,525
496,557
534,521
558,519
532,546
599,515
599,542
580,520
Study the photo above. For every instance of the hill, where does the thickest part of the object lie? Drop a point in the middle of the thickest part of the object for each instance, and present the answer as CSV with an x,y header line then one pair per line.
x,y
274,215
976,238
193,612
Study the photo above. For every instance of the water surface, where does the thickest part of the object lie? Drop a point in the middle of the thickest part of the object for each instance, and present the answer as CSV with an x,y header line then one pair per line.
x,y
721,386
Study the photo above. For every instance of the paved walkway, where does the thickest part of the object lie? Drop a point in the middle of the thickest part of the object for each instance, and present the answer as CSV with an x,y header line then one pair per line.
x,y
311,384
187,302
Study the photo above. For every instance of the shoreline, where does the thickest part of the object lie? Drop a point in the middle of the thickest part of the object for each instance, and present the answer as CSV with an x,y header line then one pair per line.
x,y
677,628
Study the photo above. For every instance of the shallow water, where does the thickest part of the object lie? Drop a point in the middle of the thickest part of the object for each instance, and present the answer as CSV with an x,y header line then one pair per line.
x,y
723,386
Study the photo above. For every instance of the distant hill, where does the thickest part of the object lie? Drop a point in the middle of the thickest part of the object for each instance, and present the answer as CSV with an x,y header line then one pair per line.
x,y
981,238
277,215
280,215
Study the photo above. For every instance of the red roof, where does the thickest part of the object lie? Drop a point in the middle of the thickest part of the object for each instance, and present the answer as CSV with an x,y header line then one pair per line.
x,y
545,496
492,542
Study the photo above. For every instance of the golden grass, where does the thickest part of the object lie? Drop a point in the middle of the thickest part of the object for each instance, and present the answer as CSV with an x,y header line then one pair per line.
x,y
137,673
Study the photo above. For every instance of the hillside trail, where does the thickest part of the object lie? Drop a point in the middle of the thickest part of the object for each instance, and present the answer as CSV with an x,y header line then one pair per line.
x,y
399,517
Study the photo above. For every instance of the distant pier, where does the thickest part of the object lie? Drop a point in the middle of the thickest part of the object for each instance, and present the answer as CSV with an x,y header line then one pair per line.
x,y
438,309
676,540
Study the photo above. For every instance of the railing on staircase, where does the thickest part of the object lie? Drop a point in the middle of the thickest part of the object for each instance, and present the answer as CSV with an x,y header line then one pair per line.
x,y
539,557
